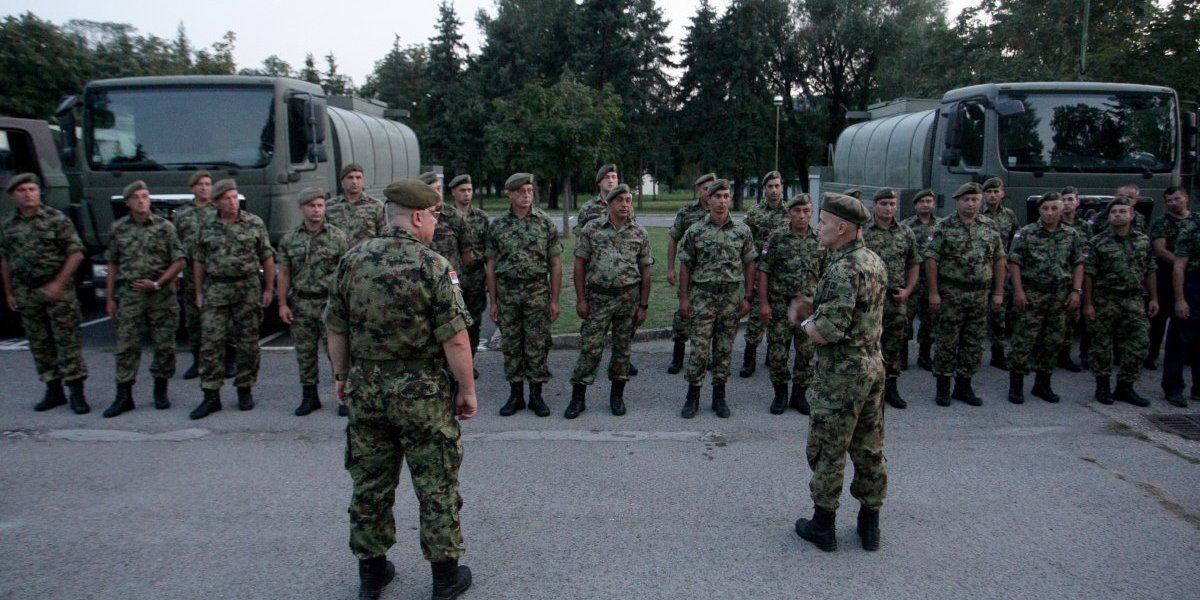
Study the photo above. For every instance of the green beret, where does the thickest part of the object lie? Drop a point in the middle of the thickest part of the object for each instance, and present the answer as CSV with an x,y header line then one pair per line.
x,y
969,187
428,177
705,178
219,188
715,186
348,169
922,194
516,180
854,193
884,193
1048,197
846,207
798,200
617,191
605,170
195,178
21,179
133,187
1070,189
770,176
995,183
459,180
411,193
1119,200
309,194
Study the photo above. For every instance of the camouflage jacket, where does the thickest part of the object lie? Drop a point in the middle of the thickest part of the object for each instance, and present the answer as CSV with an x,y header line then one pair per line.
x,y
1046,258
1004,219
848,310
1169,227
966,253
763,220
793,262
311,256
1187,245
142,250
717,253
523,247
187,222
613,256
896,246
453,237
1118,264
591,210
37,246
921,231
1099,222
233,251
1083,226
685,217
359,220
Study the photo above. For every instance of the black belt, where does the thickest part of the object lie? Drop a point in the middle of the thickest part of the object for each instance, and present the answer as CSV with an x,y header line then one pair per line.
x,y
1045,288
966,286
520,278
312,295
228,278
609,291
717,288
1130,291
403,364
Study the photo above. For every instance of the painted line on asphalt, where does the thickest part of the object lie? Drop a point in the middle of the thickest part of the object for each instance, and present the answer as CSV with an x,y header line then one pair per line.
x,y
94,322
268,339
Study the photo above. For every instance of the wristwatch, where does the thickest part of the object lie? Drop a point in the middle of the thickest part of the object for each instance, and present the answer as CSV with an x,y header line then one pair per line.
x,y
1077,291
644,306
156,286
339,376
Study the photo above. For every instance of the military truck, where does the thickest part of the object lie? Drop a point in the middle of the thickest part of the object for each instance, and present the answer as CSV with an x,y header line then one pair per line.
x,y
1036,137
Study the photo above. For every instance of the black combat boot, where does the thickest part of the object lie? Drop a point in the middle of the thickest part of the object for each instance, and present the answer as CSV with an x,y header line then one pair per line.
x,y
123,401
75,397
1016,388
819,530
799,399
925,357
161,400
904,356
1065,362
578,401
309,400
1041,388
449,579
692,404
943,390
676,358
998,359
1176,398
536,403
54,396
210,405
963,391
245,399
718,401
780,403
632,370
516,399
616,397
749,358
373,575
868,528
1103,391
891,393
1126,393
194,370
343,410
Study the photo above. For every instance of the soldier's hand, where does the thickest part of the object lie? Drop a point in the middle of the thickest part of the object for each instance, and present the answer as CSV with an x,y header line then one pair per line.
x,y
1072,301
581,308
52,291
494,313
285,314
554,311
671,279
266,298
339,391
1089,312
764,313
1020,300
743,308
465,405
935,302
997,302
1152,309
143,286
110,307
800,309
199,299
12,303
901,295
1182,310
685,308
639,316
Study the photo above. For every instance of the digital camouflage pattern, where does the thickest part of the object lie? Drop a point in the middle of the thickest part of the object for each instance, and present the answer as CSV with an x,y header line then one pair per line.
x,y
609,312
523,247
311,257
144,251
712,329
918,302
473,278
793,264
594,209
361,220
685,217
966,256
187,222
1118,267
613,254
1169,227
1073,316
762,220
1003,219
897,247
453,237
846,397
1099,222
716,255
1083,226
1047,260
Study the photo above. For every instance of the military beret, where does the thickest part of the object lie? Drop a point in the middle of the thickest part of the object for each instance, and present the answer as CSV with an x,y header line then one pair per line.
x,y
309,194
798,200
993,184
459,180
605,170
516,180
704,179
854,193
195,178
411,193
969,187
133,187
21,179
219,188
617,191
921,194
428,177
770,176
1048,197
715,186
348,169
846,207
1119,200
884,193
1070,189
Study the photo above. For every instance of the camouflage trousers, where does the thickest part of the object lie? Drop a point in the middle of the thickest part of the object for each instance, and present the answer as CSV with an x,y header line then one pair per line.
x,y
998,321
308,333
755,329
53,332
235,324
607,313
1121,328
959,328
399,415
782,336
137,312
712,329
847,418
525,323
1166,309
893,339
1037,332
191,313
475,297
1071,327
918,306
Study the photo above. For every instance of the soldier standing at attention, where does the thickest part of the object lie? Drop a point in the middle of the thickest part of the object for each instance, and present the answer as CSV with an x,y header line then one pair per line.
x,y
473,276
607,178
524,274
453,238
790,264
612,273
718,258
1163,235
685,217
921,224
354,212
1101,223
392,340
897,247
144,259
39,253
1070,218
963,261
187,221
763,219
308,256
844,318
1045,265
1117,266
1183,337
230,248
1005,221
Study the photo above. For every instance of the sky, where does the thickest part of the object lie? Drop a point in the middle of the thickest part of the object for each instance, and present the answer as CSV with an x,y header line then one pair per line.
x,y
294,28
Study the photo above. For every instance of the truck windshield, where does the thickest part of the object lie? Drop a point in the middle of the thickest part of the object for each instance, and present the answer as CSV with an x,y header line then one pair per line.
x,y
1090,132
179,128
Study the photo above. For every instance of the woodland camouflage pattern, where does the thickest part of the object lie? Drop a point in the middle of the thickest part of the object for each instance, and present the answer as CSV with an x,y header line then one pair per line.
x,y
762,221
1047,260
966,255
453,237
1118,266
897,247
361,220
715,255
918,302
187,222
311,258
793,263
144,251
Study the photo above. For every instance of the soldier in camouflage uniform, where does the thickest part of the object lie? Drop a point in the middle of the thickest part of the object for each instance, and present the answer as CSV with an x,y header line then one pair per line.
x,y
1045,265
1070,218
896,245
1100,221
187,221
607,178
612,274
921,224
524,274
453,238
397,339
718,258
144,259
685,217
308,256
39,253
1118,265
790,263
763,219
1005,222
354,212
844,318
1183,337
230,248
473,276
963,261
1163,234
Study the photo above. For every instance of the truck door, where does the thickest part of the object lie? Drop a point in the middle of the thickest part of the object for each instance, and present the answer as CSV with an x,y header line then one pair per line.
x,y
960,141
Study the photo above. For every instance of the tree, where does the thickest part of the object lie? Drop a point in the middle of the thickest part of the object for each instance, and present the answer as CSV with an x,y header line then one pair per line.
x,y
218,61
443,135
1172,49
335,83
528,41
272,66
39,63
310,73
697,96
182,48
399,80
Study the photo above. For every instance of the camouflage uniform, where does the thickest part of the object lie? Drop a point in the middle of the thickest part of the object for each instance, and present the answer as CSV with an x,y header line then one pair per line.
x,y
396,302
361,220
1047,260
187,222
716,256
1073,329
473,278
896,246
1168,229
966,255
1118,267
594,209
36,248
522,249
1183,339
613,258
452,237
685,217
310,257
793,264
144,251
1005,221
847,392
1099,222
762,221
918,302
232,254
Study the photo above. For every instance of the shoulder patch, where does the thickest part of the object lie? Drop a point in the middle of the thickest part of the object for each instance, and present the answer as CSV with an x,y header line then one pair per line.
x,y
453,277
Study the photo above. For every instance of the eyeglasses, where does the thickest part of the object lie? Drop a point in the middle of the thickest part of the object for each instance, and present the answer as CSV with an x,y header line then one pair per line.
x,y
437,214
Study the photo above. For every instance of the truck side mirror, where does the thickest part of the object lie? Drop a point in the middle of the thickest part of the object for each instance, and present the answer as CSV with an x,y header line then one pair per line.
x,y
314,121
66,124
952,142
317,153
1009,107
1191,139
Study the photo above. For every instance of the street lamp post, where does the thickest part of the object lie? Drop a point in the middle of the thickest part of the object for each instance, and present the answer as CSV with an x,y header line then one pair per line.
x,y
778,103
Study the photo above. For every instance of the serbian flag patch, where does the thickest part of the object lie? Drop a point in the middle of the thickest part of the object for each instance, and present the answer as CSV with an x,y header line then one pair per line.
x,y
453,277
